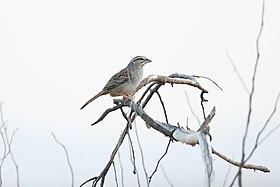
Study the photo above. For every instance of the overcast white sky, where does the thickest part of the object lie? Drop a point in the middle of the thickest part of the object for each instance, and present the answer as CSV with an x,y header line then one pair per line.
x,y
56,54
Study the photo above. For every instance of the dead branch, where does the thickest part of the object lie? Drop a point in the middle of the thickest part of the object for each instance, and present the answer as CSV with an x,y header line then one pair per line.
x,y
238,164
238,74
115,173
121,167
190,107
142,156
106,113
239,173
7,143
165,176
174,132
257,142
67,157
171,131
173,80
103,174
156,168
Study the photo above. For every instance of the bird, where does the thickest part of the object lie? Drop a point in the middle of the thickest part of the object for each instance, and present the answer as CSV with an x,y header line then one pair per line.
x,y
125,82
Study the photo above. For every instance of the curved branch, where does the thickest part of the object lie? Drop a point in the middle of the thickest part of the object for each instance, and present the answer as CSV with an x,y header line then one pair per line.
x,y
165,79
106,113
67,157
172,131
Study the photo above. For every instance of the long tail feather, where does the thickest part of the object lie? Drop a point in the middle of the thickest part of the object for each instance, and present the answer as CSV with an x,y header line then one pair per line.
x,y
94,97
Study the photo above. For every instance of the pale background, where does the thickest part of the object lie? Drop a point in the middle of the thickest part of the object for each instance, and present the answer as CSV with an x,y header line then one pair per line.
x,y
54,55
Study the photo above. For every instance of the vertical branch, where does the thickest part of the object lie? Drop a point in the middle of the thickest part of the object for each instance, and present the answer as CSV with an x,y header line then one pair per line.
x,y
67,157
121,166
193,113
202,99
142,157
7,143
115,173
166,177
207,159
132,152
251,95
4,145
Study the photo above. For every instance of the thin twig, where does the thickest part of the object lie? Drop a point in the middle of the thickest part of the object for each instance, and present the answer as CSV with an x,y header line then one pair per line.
x,y
251,97
67,157
107,167
238,74
121,167
193,113
132,153
239,164
269,133
5,152
9,144
262,130
163,106
156,168
198,76
227,175
166,176
115,173
142,156
131,148
106,113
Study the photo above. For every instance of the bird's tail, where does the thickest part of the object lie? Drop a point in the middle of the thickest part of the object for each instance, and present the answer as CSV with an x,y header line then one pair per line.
x,y
94,97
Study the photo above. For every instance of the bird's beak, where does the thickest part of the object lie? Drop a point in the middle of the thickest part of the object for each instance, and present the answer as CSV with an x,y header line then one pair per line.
x,y
147,61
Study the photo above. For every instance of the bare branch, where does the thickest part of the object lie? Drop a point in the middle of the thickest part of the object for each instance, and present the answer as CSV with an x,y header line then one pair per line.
x,y
121,167
156,168
263,128
166,177
238,164
115,173
207,159
164,79
193,113
132,154
67,157
227,174
8,143
163,106
202,100
251,97
142,156
199,76
269,133
106,113
102,175
238,74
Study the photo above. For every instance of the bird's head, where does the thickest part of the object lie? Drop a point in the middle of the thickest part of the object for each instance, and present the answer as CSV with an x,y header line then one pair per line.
x,y
140,61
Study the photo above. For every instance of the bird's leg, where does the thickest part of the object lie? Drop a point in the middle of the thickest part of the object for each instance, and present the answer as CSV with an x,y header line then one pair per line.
x,y
128,97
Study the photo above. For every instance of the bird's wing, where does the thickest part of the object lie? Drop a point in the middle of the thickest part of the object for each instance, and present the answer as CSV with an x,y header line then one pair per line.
x,y
118,79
